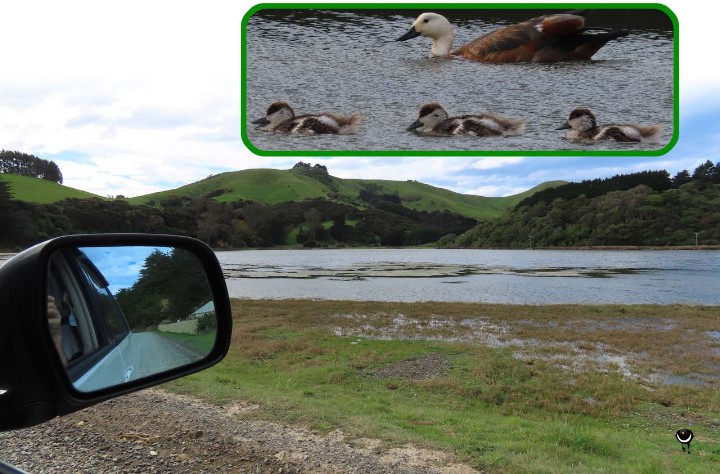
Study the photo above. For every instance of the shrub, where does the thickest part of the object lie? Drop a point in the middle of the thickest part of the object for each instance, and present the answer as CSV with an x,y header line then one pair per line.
x,y
206,322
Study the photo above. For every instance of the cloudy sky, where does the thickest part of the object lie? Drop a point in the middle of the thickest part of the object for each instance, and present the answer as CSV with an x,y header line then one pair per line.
x,y
134,97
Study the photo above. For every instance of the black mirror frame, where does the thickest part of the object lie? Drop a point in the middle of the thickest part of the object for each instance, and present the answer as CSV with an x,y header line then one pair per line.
x,y
36,383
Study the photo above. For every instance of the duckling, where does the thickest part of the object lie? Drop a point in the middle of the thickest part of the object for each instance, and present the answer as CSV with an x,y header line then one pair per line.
x,y
549,38
581,125
435,121
280,117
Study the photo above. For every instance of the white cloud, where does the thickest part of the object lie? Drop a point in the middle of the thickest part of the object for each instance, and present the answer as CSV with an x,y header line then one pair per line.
x,y
396,168
496,162
147,93
494,191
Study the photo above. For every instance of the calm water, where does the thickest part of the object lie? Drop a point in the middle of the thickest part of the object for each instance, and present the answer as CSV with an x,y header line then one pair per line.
x,y
494,276
349,61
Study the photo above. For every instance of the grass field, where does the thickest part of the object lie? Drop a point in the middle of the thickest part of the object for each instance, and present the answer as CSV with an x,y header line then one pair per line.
x,y
41,191
202,343
563,388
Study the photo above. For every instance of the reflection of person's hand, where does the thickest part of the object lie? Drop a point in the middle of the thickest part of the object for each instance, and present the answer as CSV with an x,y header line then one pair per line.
x,y
54,321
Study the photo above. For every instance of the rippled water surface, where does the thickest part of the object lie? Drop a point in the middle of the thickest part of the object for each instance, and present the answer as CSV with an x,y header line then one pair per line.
x,y
348,61
493,276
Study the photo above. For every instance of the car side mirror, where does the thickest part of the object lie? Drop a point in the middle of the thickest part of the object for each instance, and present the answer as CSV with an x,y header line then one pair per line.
x,y
90,317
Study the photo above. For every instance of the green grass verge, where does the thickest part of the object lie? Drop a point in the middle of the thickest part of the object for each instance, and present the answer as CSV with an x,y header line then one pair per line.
x,y
202,343
500,409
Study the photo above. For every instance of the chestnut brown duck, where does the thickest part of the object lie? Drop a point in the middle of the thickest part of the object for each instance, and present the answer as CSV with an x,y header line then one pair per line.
x,y
548,38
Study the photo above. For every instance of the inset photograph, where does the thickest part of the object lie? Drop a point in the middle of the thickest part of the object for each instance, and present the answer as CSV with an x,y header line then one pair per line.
x,y
438,81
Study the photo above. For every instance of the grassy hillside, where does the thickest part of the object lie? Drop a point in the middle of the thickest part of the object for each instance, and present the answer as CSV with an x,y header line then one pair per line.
x,y
41,191
271,186
263,185
424,197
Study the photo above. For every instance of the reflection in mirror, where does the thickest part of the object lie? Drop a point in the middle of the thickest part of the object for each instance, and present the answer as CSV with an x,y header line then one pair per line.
x,y
118,314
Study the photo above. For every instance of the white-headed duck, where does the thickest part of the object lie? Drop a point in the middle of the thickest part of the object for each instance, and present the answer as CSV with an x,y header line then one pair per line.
x,y
549,38
280,117
581,125
433,120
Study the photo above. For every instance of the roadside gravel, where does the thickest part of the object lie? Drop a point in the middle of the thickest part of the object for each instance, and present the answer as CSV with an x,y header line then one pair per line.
x,y
158,432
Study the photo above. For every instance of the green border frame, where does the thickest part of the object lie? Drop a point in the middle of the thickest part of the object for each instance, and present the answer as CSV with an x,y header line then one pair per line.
x,y
458,6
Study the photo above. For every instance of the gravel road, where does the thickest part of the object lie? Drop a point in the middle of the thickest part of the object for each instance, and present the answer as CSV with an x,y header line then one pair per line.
x,y
157,432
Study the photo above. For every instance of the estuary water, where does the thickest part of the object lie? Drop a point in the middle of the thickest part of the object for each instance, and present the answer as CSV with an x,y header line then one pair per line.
x,y
346,61
491,276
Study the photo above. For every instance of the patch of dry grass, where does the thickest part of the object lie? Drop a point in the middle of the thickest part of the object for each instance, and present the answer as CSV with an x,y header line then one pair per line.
x,y
651,342
656,345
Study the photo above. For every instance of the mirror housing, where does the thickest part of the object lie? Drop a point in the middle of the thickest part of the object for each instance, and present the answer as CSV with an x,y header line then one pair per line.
x,y
34,384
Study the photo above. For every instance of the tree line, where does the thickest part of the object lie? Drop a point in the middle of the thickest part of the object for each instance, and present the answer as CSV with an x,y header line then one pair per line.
x,y
656,180
23,164
170,287
639,209
238,224
649,208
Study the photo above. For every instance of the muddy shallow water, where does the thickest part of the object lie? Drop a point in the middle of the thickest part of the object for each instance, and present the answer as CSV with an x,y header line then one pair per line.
x,y
346,61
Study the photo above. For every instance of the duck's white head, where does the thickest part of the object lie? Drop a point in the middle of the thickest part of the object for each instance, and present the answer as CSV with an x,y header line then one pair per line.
x,y
429,116
433,26
580,120
277,113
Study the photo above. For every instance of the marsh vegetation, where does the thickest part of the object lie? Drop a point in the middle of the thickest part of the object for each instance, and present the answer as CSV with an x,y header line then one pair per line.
x,y
506,388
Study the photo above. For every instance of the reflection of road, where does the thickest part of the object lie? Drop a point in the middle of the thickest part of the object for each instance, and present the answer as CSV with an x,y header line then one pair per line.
x,y
157,354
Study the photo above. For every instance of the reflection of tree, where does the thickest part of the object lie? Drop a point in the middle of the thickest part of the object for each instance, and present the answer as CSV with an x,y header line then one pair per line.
x,y
171,286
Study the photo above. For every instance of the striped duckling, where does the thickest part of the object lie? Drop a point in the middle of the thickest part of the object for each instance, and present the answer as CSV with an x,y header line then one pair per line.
x,y
433,120
280,117
581,125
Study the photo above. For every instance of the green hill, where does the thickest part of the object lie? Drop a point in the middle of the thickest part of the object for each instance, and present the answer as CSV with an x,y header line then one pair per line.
x,y
424,197
267,186
272,186
40,191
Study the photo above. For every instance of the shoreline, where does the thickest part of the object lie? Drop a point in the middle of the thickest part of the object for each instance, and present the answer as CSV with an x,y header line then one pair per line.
x,y
425,247
11,252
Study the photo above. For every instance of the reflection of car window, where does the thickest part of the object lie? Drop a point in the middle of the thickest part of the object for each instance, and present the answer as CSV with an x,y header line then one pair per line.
x,y
115,322
78,337
93,325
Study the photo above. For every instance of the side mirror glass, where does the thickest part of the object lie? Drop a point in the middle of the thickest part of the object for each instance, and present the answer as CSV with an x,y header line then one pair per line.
x,y
117,314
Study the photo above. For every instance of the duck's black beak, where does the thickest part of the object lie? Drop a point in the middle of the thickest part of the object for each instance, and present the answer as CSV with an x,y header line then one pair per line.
x,y
412,33
261,121
564,126
416,124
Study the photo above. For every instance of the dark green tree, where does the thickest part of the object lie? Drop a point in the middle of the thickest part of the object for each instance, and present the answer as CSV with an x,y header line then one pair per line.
x,y
171,286
15,162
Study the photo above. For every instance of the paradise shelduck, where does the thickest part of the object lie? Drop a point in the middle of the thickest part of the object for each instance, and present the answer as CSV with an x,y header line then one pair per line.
x,y
548,38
